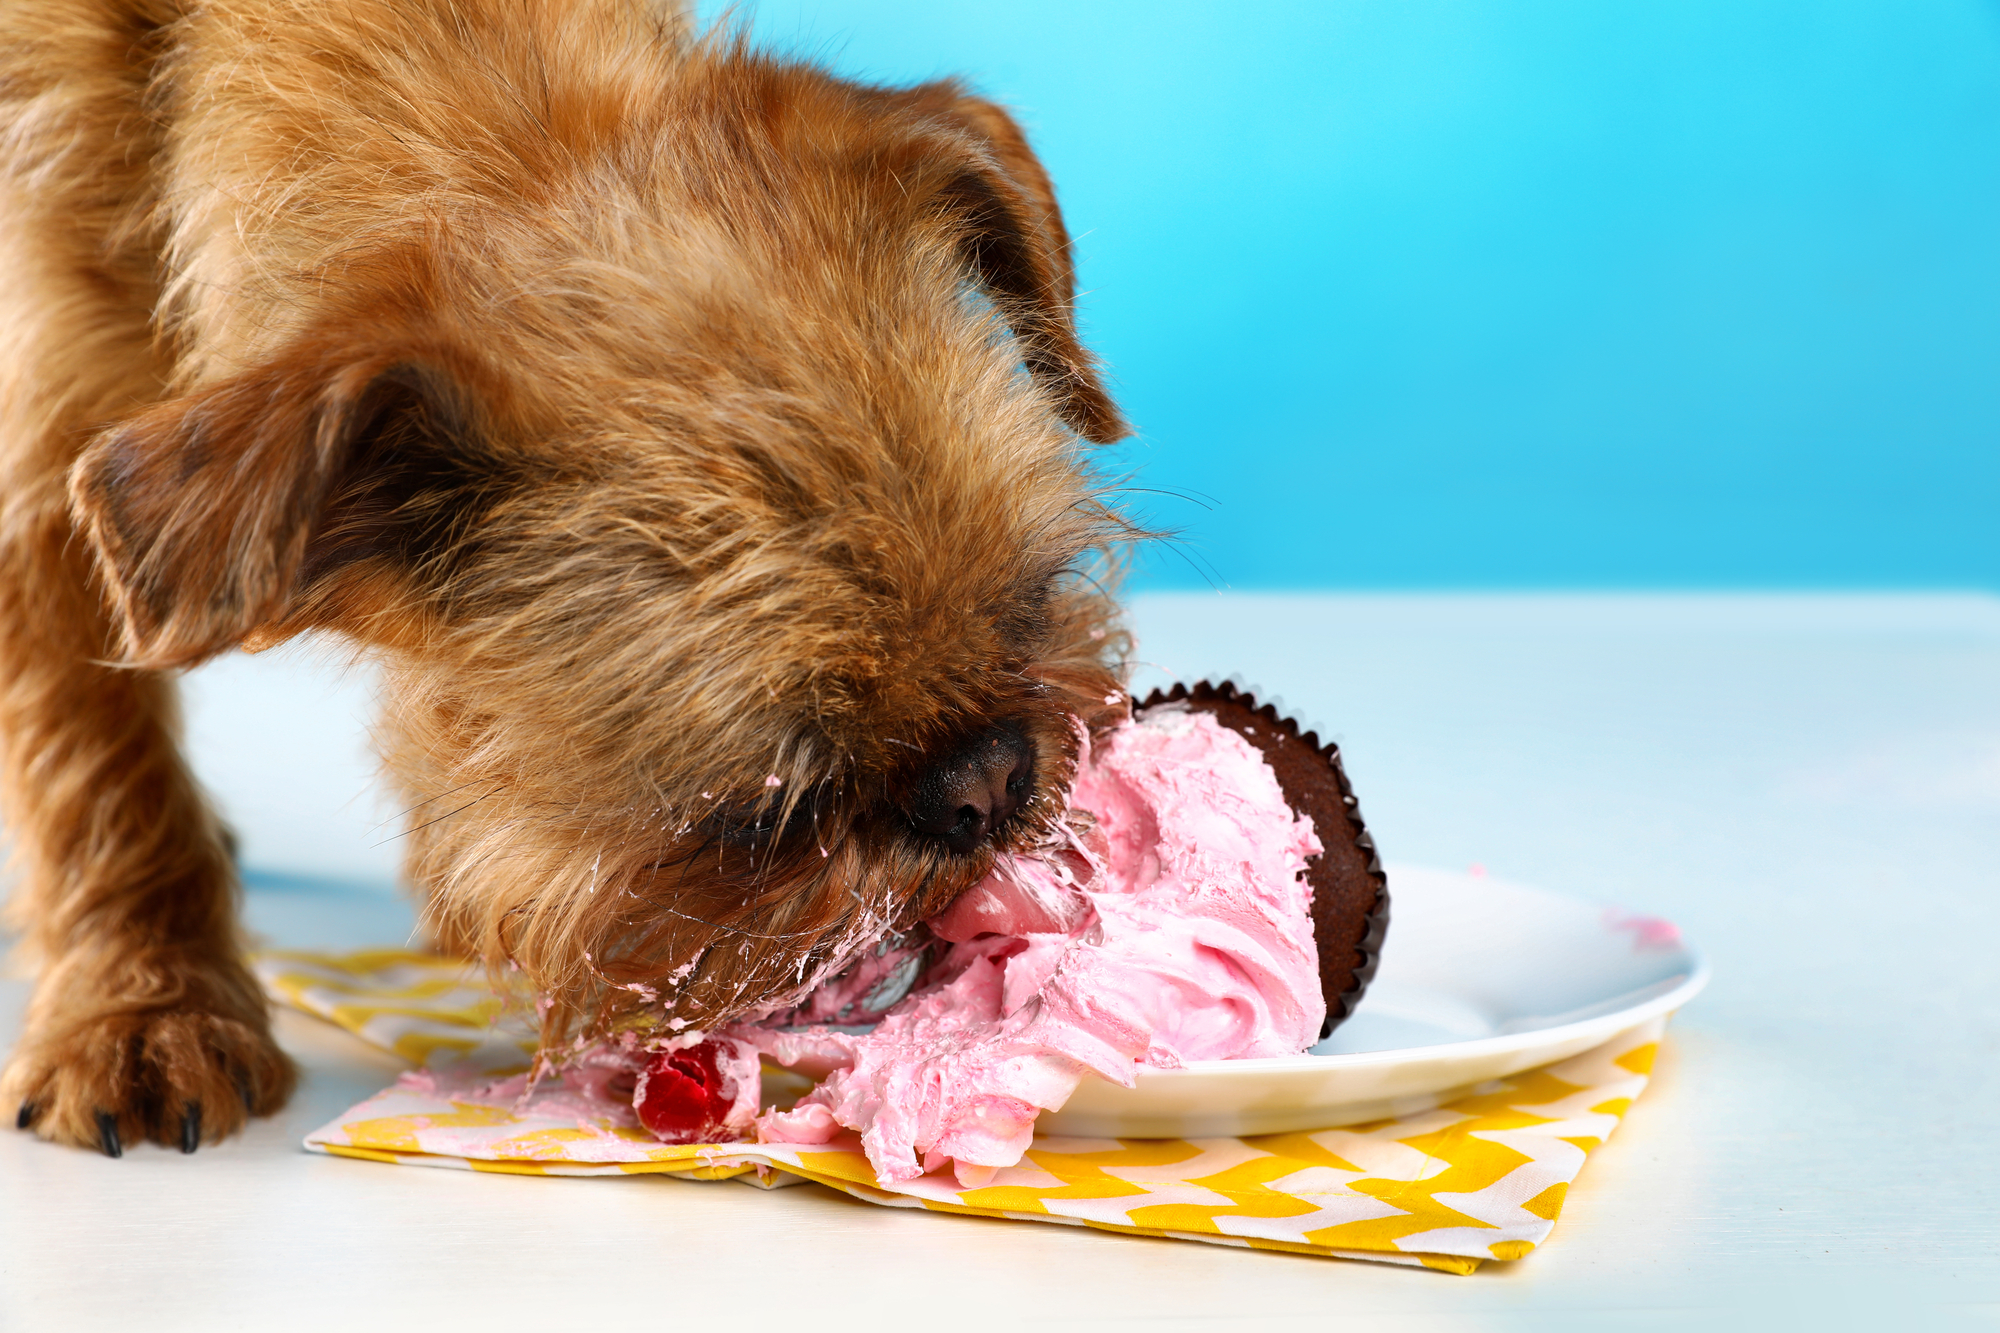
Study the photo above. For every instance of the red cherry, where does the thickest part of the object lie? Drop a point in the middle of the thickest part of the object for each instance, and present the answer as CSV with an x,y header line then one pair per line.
x,y
680,1096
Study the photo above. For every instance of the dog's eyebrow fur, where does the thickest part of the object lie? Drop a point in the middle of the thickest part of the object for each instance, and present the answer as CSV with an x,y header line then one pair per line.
x,y
696,438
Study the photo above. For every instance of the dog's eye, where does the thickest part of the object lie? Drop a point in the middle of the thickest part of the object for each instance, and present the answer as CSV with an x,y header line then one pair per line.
x,y
756,827
1025,619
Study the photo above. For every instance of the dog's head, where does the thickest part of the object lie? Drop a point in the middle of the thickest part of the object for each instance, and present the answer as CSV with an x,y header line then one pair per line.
x,y
716,493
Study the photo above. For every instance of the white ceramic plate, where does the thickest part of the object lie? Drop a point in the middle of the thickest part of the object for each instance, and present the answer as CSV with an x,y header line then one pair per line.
x,y
1479,979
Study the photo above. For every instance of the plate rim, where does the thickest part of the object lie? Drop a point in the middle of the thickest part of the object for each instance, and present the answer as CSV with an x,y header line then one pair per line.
x,y
1506,1043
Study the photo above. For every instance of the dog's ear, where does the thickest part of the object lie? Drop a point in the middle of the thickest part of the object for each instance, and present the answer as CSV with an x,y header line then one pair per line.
x,y
210,512
1014,239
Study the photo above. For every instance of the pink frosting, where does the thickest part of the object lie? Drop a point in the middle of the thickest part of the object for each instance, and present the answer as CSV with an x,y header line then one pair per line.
x,y
1177,928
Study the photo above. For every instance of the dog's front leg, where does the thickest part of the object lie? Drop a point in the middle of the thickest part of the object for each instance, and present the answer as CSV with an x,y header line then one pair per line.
x,y
145,1024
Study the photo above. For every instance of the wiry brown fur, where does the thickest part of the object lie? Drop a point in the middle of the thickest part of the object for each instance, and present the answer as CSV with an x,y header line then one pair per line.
x,y
665,417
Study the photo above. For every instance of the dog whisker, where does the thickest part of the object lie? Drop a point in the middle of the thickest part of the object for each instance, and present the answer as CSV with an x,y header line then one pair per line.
x,y
441,818
410,810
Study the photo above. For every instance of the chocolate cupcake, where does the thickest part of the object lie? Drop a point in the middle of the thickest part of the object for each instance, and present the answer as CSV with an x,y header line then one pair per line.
x,y
1350,907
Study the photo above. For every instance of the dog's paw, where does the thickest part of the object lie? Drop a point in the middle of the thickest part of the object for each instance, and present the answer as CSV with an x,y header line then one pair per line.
x,y
177,1077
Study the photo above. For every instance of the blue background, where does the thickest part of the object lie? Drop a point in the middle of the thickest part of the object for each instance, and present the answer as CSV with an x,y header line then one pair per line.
x,y
1518,293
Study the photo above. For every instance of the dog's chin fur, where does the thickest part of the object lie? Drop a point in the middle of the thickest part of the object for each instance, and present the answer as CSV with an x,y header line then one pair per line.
x,y
699,440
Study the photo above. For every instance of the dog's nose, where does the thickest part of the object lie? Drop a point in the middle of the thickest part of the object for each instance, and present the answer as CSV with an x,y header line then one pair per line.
x,y
963,800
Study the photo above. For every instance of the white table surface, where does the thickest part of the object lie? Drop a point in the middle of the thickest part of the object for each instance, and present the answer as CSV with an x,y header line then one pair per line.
x,y
1810,786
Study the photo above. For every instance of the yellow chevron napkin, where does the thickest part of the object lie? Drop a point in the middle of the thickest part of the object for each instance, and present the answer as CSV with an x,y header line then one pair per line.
x,y
1480,1178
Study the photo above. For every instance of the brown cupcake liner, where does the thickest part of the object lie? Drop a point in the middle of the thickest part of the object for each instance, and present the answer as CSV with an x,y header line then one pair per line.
x,y
1350,890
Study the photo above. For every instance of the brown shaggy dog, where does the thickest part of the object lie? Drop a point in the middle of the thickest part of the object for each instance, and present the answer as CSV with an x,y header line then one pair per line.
x,y
696,438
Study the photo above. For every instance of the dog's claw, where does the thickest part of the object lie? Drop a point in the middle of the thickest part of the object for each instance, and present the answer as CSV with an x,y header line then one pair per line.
x,y
25,1117
191,1127
107,1135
